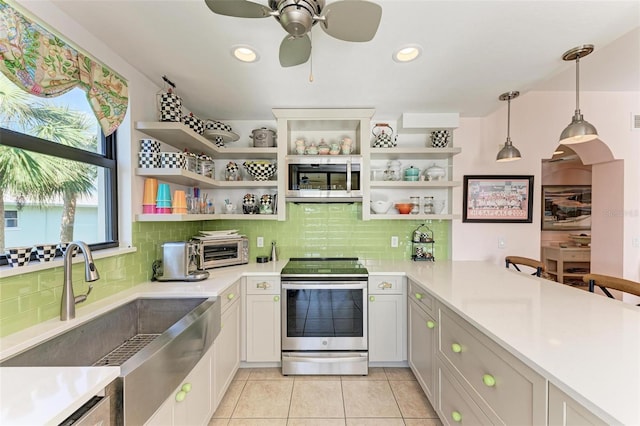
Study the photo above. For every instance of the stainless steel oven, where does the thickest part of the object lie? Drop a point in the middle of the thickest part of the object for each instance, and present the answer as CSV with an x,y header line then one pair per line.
x,y
324,317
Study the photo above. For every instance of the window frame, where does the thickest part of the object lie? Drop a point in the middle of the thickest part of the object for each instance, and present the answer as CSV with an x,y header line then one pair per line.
x,y
107,160
11,218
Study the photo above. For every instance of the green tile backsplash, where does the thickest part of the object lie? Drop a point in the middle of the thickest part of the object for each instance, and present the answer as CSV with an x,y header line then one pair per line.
x,y
310,230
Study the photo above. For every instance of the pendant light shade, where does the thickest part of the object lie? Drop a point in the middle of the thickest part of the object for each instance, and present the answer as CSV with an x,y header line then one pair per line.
x,y
508,152
579,130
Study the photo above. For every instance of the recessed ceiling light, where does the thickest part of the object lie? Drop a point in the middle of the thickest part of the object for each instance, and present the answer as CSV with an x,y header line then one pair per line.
x,y
407,53
244,53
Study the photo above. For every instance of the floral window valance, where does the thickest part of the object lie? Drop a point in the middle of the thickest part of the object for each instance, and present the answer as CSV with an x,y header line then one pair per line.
x,y
42,64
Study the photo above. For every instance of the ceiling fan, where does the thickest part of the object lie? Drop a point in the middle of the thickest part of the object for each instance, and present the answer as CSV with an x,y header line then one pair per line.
x,y
348,20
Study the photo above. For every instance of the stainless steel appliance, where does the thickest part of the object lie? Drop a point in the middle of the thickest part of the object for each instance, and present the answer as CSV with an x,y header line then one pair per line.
x,y
180,263
323,178
223,252
324,316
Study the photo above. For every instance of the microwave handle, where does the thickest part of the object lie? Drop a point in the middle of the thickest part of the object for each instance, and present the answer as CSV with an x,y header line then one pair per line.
x,y
349,175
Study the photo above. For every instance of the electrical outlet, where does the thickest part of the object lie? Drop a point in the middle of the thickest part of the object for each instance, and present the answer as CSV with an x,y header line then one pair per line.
x,y
394,241
260,241
502,243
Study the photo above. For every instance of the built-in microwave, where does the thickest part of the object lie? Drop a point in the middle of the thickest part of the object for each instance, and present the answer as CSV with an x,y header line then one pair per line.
x,y
324,178
223,252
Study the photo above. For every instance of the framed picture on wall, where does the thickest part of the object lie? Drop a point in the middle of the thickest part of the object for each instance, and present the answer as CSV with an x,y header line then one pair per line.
x,y
498,199
566,207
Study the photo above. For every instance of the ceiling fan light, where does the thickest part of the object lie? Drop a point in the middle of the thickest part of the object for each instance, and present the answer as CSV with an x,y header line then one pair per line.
x,y
407,53
244,53
508,153
579,131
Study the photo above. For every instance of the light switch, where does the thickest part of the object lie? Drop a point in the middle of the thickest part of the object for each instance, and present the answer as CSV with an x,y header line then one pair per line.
x,y
394,241
260,242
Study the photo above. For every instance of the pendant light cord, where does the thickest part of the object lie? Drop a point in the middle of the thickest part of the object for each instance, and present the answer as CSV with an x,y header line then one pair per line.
x,y
311,59
578,84
508,119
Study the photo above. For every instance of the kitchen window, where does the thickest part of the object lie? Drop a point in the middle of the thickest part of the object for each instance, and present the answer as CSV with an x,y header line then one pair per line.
x,y
57,169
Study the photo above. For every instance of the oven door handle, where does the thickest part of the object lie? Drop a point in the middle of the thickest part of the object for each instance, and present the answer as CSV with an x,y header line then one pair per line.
x,y
331,286
325,360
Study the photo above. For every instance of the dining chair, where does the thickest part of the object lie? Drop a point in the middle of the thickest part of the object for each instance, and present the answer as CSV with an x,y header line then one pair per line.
x,y
606,282
525,261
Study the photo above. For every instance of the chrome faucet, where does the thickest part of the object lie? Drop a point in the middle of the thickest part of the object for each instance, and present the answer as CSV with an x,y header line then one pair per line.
x,y
69,301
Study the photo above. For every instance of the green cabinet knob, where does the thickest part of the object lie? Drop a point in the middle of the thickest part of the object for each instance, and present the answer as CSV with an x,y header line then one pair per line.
x,y
431,324
455,347
180,396
489,380
418,296
186,387
230,296
372,298
276,298
456,416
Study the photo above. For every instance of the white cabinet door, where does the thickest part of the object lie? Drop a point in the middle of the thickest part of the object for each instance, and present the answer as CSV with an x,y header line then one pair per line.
x,y
387,325
263,327
565,411
422,348
196,408
190,403
226,355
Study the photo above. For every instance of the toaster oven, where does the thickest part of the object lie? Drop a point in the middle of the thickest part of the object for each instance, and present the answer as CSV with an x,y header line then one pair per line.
x,y
223,252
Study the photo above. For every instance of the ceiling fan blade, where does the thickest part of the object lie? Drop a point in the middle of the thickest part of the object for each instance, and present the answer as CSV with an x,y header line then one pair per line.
x,y
295,50
352,20
238,8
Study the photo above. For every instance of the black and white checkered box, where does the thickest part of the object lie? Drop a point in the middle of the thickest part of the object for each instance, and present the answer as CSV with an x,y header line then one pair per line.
x,y
150,146
18,256
148,160
172,160
170,107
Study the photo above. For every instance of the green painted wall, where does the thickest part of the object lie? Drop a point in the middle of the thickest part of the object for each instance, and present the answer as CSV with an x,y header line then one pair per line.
x,y
310,230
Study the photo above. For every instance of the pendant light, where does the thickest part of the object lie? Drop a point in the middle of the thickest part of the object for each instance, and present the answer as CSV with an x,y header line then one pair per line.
x,y
579,130
508,152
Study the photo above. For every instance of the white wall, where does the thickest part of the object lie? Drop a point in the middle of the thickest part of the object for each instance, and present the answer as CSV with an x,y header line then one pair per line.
x,y
537,119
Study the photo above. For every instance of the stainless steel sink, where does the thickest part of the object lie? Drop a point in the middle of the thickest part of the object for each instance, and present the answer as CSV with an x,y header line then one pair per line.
x,y
154,341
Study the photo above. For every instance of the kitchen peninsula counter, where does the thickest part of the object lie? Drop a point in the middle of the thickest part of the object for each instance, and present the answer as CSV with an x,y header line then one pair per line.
x,y
585,344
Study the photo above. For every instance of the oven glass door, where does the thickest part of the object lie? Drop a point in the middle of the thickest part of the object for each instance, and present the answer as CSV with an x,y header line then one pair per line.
x,y
319,316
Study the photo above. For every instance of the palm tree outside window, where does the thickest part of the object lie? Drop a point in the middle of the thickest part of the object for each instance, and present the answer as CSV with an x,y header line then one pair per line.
x,y
57,170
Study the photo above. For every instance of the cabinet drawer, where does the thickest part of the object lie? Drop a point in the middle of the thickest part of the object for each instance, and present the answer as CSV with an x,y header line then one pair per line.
x,y
510,389
454,405
423,298
386,284
577,256
230,295
263,285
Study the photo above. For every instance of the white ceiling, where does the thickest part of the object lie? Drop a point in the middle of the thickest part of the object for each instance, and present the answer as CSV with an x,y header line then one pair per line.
x,y
472,52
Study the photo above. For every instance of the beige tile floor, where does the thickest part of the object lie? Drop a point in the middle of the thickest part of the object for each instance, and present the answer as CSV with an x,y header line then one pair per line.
x,y
264,397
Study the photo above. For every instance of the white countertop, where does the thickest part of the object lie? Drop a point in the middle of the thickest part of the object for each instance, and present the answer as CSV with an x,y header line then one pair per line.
x,y
586,344
48,395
